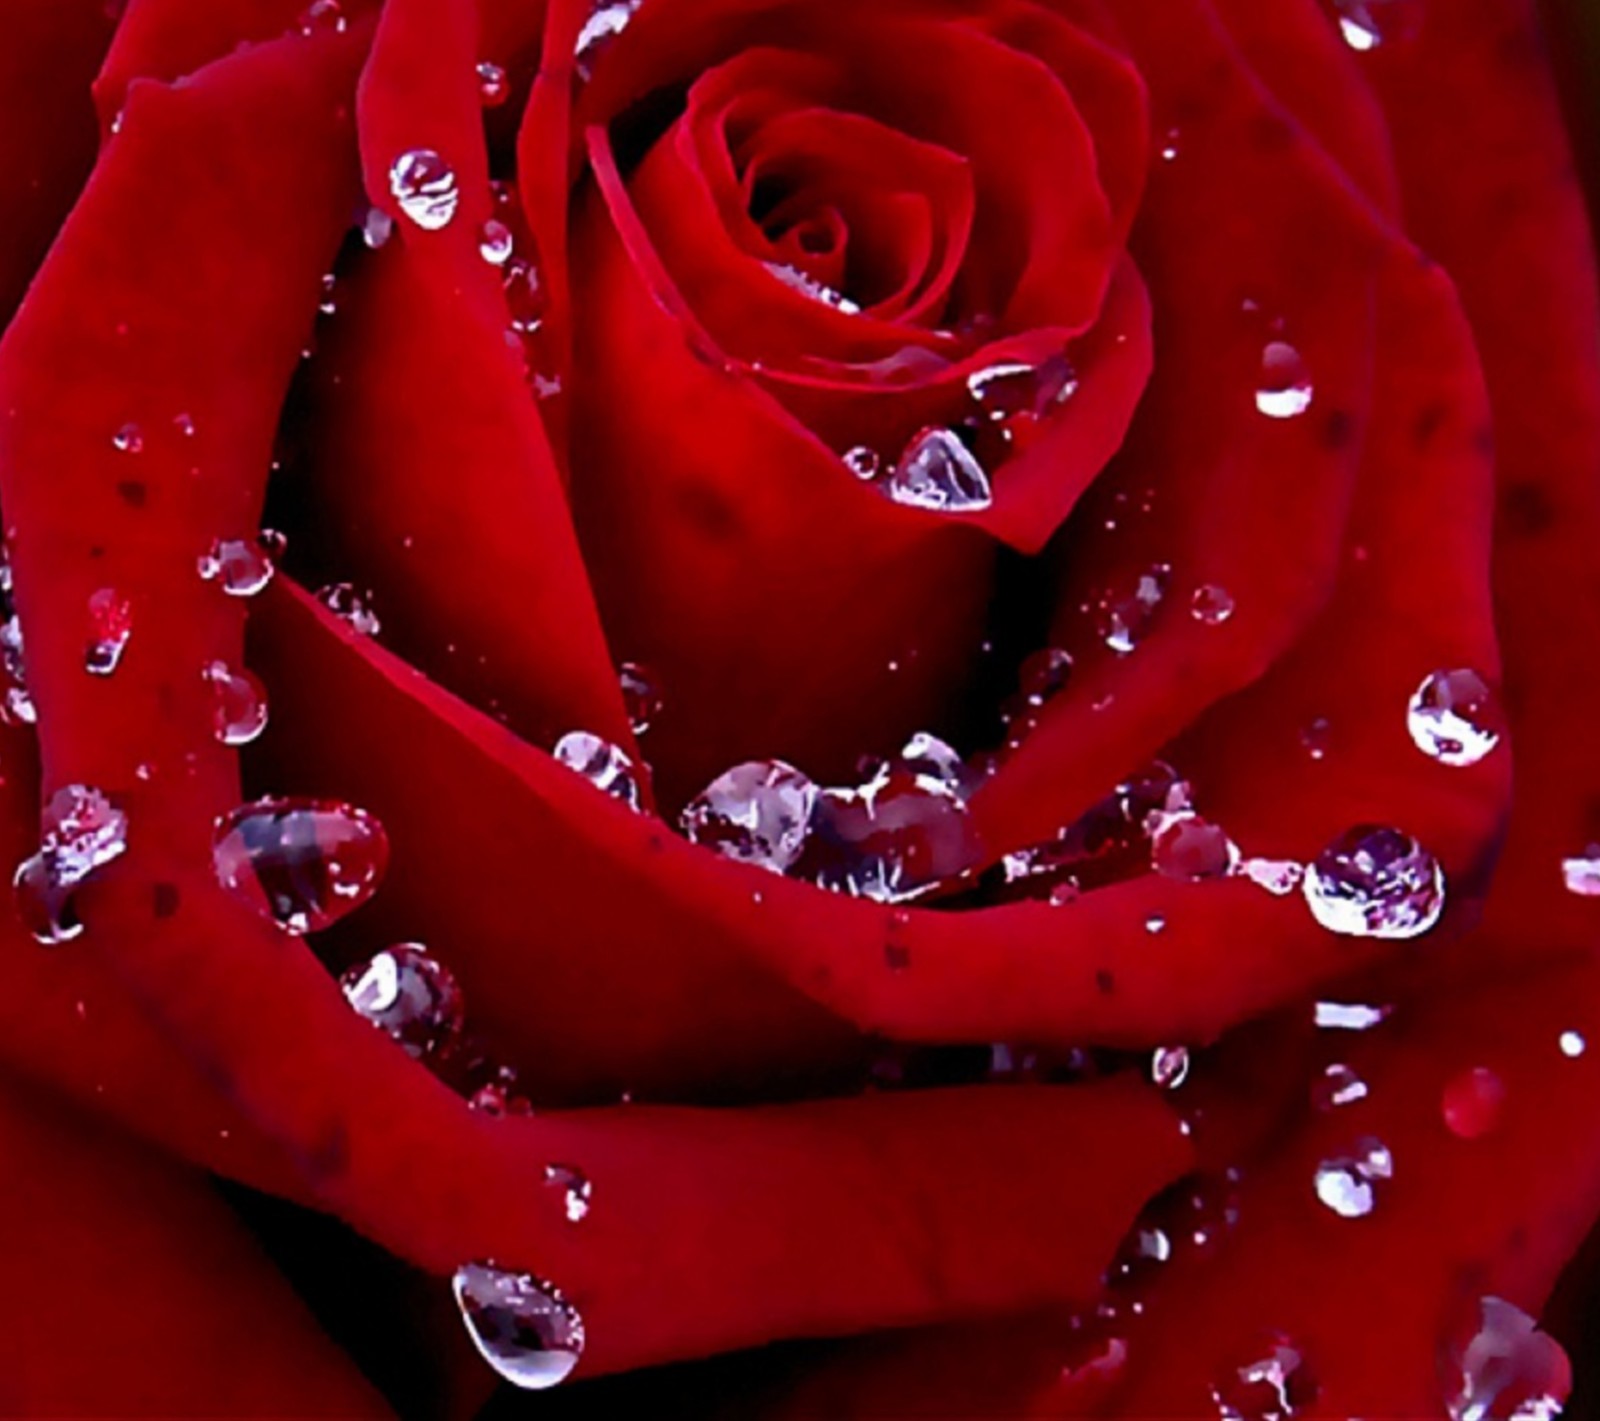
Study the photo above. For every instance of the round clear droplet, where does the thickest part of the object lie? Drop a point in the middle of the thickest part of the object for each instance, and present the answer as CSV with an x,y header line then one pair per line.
x,y
606,766
351,606
641,696
322,16
301,863
1283,388
110,626
242,567
1211,605
238,704
1454,718
409,995
938,472
128,440
1572,1044
493,85
495,242
521,1325
424,185
758,813
1375,882
376,227
863,462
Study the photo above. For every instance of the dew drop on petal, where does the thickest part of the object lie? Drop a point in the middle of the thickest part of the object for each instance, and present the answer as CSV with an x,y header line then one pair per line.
x,y
606,766
493,86
128,440
1283,389
1271,1382
1366,24
863,462
1349,1016
321,16
1375,882
500,1095
1155,923
606,21
241,566
409,995
1169,1066
238,704
376,227
1496,1365
758,813
1191,849
522,1326
641,696
1211,605
576,1190
80,830
1572,1044
1316,736
1337,1085
938,472
1280,877
1454,718
43,904
424,185
110,626
350,606
1472,1102
797,280
302,863
495,242
1123,620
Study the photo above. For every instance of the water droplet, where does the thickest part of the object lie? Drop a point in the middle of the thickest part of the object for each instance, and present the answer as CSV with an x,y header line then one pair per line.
x,y
1375,882
1010,390
1572,1044
495,242
606,766
493,86
758,813
797,280
937,765
1472,1102
500,1095
521,1325
1272,1385
1170,145
302,863
1496,1365
525,297
242,566
1211,605
43,904
1582,873
1454,718
1347,1184
409,995
18,705
1043,675
326,15
938,472
351,607
1283,389
1192,849
1317,736
1155,923
1366,24
575,1188
1169,1066
1349,1016
1279,877
605,23
110,626
1122,621
863,462
128,440
425,187
184,424
238,704
1063,893
376,227
80,831
641,697
1337,1085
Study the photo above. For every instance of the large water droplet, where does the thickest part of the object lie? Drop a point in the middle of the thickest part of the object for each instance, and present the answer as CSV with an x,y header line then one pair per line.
x,y
242,566
1014,389
607,20
1496,1365
758,813
938,472
110,626
1272,1384
425,187
303,863
576,1190
1454,718
1375,882
1347,1184
238,704
351,607
409,995
606,766
1283,389
1192,849
521,1325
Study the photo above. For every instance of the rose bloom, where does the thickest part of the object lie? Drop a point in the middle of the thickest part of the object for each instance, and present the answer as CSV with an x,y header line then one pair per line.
x,y
868,769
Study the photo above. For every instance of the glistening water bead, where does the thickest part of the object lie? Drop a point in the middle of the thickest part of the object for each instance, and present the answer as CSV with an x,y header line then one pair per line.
x,y
1375,882
758,813
80,831
520,1324
424,185
410,996
1348,1184
1283,389
606,766
238,704
937,472
1454,718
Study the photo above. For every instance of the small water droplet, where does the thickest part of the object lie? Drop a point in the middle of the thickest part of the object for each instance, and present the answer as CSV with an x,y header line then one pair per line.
x,y
1348,1184
128,440
500,1095
1044,675
863,462
110,626
1280,877
758,813
1013,390
1581,874
1169,1066
606,766
1170,145
938,472
1454,718
495,242
641,696
351,607
1496,1365
1283,389
1572,1044
1472,1102
1337,1085
1317,736
525,296
238,704
184,424
1155,923
1366,24
301,863
522,1326
1123,620
606,21
1349,1016
575,1188
1273,1384
241,566
43,904
376,227
493,85
80,830
409,995
322,15
1211,605
1375,882
1192,849
425,187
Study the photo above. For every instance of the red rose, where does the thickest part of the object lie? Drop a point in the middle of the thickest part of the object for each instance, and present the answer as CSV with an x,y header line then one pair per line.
x,y
1188,410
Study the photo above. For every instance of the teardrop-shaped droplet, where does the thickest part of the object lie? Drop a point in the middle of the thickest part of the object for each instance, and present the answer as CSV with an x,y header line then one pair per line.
x,y
424,185
302,863
576,1190
1454,718
409,995
641,696
241,566
1270,1382
1375,882
238,704
495,242
521,1325
606,21
1472,1101
758,813
110,626
376,227
606,766
1192,849
1496,1365
1283,388
350,606
493,86
938,472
